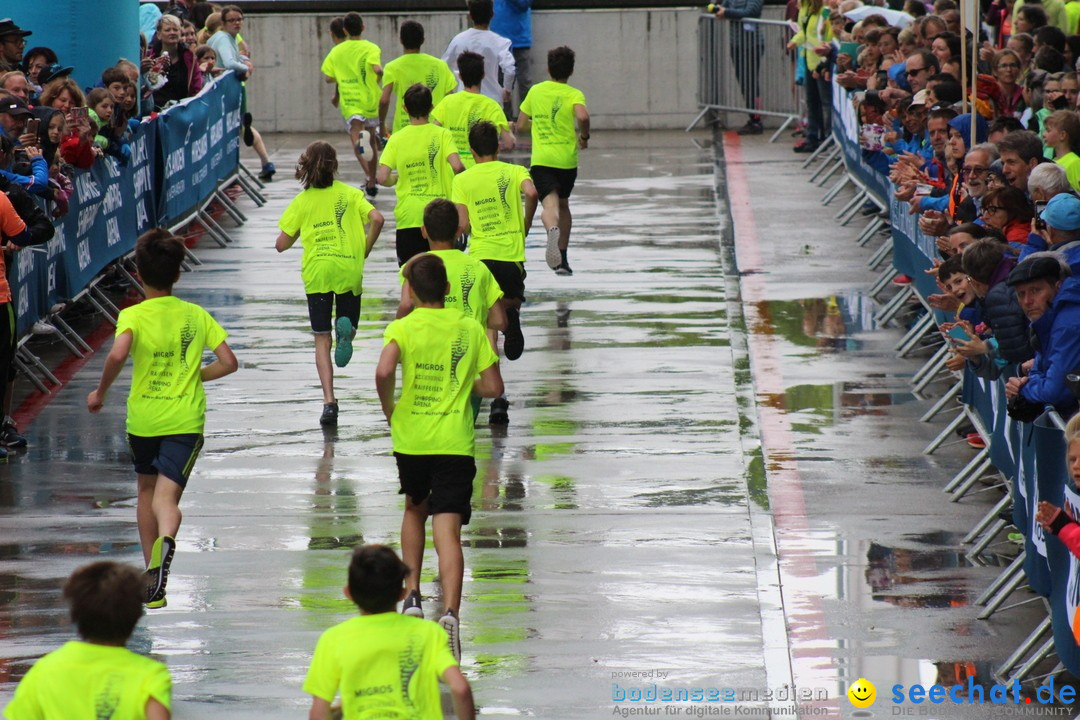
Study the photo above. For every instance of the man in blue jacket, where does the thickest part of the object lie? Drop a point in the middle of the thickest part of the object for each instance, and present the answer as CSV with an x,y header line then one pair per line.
x,y
513,20
1050,298
747,46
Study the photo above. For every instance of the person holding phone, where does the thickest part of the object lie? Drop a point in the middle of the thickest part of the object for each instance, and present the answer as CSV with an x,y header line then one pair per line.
x,y
175,63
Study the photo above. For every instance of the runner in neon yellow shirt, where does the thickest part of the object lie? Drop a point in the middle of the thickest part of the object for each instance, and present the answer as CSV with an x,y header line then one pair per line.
x,y
337,228
84,676
166,406
445,358
552,108
356,66
412,67
461,111
384,664
423,160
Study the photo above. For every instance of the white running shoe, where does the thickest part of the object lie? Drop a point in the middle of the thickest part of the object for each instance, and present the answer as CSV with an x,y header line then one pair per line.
x,y
452,627
551,253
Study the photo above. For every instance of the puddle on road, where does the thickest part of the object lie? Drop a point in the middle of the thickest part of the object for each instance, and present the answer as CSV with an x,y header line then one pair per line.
x,y
826,405
826,325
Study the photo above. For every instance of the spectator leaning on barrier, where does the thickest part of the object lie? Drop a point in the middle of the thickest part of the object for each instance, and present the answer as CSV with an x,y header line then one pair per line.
x,y
1053,519
747,47
988,263
1051,302
181,73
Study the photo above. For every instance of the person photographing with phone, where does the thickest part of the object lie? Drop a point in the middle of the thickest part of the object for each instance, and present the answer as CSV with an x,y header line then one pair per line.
x,y
174,63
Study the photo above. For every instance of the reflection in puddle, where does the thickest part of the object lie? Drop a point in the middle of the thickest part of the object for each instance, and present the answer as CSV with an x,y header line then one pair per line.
x,y
827,324
828,404
916,578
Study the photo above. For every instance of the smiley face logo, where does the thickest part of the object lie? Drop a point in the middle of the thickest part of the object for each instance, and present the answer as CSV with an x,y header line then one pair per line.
x,y
862,693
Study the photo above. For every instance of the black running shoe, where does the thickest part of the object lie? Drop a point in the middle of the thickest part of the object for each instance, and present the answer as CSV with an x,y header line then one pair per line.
x,y
10,436
249,136
752,127
329,414
513,340
499,412
412,606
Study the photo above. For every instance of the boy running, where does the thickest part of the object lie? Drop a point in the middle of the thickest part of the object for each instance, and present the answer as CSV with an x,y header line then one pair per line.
x,y
384,664
552,107
489,201
413,67
460,111
166,408
337,227
445,357
355,65
425,159
96,672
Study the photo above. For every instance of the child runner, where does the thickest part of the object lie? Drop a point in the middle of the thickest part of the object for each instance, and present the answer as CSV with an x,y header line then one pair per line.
x,y
384,664
356,65
552,107
460,111
96,672
413,67
489,200
337,227
166,407
425,160
445,357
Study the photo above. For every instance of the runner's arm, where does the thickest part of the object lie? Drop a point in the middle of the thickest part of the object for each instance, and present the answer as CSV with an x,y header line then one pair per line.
x,y
496,319
459,686
524,122
384,107
581,114
531,198
455,162
225,364
489,385
508,140
375,223
157,711
463,219
385,375
405,306
320,709
114,363
285,241
382,175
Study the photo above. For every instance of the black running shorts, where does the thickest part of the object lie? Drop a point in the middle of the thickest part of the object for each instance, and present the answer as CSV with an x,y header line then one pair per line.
x,y
553,180
445,481
320,307
170,455
409,242
510,276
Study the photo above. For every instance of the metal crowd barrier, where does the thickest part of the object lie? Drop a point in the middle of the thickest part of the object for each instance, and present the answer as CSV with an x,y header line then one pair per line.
x,y
1024,461
744,66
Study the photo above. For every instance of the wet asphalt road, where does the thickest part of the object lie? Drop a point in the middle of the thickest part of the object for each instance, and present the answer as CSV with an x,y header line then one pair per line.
x,y
624,521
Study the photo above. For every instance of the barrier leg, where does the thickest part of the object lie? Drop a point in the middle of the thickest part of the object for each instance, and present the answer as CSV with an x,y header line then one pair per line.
x,y
920,328
213,229
882,281
72,348
827,161
932,366
835,190
969,483
949,429
131,279
836,167
987,520
1016,566
976,466
857,199
64,327
891,308
250,191
104,299
937,369
230,207
30,357
780,131
34,379
943,402
853,211
997,526
251,176
700,115
100,308
1024,648
868,233
1037,657
826,145
881,255
998,600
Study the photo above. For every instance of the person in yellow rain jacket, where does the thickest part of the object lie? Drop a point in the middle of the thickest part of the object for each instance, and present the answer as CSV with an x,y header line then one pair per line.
x,y
811,41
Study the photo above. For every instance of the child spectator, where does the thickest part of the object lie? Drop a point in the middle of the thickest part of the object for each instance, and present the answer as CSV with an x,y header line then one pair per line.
x,y
101,104
1061,134
445,358
383,664
97,671
337,227
1055,520
166,408
206,59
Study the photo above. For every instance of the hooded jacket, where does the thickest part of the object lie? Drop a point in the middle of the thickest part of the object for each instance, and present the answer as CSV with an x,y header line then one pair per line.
x,y
1058,333
1001,311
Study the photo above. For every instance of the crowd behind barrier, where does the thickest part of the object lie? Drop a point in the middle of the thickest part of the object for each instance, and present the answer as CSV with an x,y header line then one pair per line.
x,y
1031,456
178,162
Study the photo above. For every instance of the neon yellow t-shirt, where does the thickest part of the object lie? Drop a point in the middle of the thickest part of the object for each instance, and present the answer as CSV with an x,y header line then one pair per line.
x,y
412,68
79,680
442,352
491,192
460,111
168,339
352,65
330,222
420,154
385,665
1071,162
473,289
551,104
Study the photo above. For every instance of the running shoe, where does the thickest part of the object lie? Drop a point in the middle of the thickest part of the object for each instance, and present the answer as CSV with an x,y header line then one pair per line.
x,y
412,606
752,127
10,436
500,414
513,339
329,414
249,136
901,280
267,173
551,253
343,343
452,627
157,604
806,147
372,190
157,573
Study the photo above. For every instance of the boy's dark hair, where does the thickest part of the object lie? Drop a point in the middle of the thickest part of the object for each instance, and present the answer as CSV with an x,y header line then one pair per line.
x,y
106,600
981,258
560,63
948,90
411,34
941,113
1024,143
337,27
1005,123
1049,59
317,165
995,235
427,277
974,230
158,257
376,575
417,100
1051,36
470,68
113,75
353,24
484,139
1034,14
873,100
441,220
481,11
952,266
